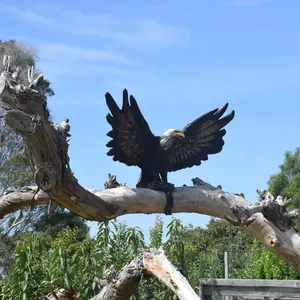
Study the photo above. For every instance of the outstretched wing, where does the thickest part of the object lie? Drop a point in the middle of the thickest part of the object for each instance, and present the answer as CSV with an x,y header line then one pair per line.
x,y
131,134
202,137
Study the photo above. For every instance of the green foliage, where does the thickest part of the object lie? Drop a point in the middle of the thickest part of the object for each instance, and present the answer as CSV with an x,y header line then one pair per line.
x,y
23,282
135,238
43,263
16,171
175,244
42,267
59,218
267,265
287,182
156,233
6,248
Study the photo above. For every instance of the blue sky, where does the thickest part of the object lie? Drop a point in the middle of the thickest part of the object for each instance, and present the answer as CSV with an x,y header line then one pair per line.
x,y
180,60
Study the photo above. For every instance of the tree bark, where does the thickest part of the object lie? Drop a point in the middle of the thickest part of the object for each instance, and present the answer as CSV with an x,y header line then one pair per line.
x,y
268,220
121,286
157,264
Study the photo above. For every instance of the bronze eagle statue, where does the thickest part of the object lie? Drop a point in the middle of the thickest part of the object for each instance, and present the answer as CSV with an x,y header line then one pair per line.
x,y
134,144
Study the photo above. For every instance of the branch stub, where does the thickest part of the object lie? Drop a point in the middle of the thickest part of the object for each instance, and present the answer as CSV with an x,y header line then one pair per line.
x,y
46,178
20,121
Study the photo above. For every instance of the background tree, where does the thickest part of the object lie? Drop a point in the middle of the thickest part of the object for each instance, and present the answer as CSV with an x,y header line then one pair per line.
x,y
287,181
16,171
156,233
43,263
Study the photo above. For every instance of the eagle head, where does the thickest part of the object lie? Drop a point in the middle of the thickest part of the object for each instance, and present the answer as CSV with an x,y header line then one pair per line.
x,y
171,137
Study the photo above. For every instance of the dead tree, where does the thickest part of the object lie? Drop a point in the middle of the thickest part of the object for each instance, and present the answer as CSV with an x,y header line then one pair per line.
x,y
268,220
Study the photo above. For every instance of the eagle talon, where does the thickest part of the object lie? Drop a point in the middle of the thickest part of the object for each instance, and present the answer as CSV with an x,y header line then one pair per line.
x,y
162,186
170,186
156,185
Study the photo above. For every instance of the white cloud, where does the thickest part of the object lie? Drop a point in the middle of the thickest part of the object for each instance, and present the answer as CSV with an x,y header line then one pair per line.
x,y
55,68
58,60
67,53
27,15
141,32
128,31
110,33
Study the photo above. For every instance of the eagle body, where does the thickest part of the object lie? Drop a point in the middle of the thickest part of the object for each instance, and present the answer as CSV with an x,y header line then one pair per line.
x,y
134,144
154,166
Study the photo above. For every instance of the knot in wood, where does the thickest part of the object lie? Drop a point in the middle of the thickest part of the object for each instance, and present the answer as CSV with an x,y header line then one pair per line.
x,y
274,242
46,178
20,121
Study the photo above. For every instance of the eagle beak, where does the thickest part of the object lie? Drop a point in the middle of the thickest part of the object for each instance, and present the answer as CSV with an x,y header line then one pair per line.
x,y
180,135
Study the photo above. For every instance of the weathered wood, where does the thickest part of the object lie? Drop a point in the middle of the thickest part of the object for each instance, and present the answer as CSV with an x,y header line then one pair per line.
x,y
112,182
27,113
61,294
157,264
250,288
269,221
120,286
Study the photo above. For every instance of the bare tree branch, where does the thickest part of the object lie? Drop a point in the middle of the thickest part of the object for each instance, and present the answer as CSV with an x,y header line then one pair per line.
x,y
274,234
268,220
12,201
121,286
157,264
